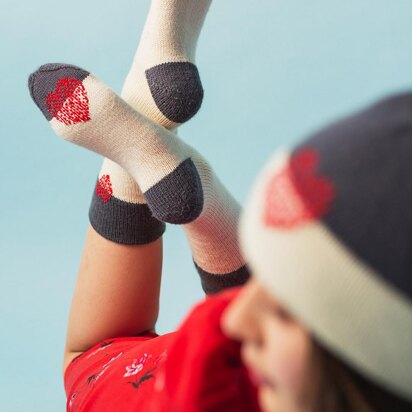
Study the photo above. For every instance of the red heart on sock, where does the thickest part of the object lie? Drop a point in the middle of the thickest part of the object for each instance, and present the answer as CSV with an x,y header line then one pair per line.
x,y
104,188
296,194
69,104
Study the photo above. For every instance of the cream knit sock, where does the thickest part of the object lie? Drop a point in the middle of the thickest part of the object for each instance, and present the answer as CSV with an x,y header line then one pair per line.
x,y
179,185
163,82
118,210
164,85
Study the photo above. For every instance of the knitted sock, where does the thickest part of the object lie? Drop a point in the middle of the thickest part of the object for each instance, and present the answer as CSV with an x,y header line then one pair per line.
x,y
163,82
118,210
178,184
164,85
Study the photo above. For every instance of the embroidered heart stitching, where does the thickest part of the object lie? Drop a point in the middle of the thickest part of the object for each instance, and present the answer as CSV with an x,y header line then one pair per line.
x,y
296,194
69,104
104,188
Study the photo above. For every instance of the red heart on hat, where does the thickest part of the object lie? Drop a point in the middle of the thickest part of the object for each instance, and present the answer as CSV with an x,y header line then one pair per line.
x,y
296,194
104,188
69,104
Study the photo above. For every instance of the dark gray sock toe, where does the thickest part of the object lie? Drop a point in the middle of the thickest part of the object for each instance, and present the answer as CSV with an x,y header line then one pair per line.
x,y
44,80
178,197
176,89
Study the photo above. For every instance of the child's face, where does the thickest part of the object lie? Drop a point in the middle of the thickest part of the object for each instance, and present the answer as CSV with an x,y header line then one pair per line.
x,y
275,348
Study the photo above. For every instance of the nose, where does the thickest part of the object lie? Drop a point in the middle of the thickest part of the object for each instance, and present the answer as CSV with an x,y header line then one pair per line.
x,y
238,321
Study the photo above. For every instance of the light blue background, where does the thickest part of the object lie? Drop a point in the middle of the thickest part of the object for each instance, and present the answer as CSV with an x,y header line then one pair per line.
x,y
272,72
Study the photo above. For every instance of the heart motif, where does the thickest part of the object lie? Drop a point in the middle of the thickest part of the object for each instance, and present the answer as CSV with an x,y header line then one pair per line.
x,y
104,188
296,194
69,104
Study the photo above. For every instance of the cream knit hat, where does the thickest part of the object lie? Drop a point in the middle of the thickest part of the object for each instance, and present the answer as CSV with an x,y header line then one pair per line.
x,y
328,231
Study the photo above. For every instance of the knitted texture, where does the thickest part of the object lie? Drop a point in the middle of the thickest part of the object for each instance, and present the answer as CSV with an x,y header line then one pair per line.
x,y
163,82
215,283
327,230
176,89
178,183
117,199
169,93
118,209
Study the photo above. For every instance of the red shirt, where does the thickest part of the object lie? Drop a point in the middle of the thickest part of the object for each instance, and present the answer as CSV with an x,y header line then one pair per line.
x,y
195,369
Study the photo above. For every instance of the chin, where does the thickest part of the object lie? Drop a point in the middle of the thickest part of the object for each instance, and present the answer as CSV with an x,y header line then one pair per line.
x,y
267,399
271,400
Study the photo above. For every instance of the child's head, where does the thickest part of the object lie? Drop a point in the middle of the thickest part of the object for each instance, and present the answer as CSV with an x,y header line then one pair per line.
x,y
327,234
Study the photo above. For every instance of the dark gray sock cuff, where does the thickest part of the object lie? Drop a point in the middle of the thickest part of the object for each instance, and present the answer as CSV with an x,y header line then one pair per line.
x,y
215,283
124,222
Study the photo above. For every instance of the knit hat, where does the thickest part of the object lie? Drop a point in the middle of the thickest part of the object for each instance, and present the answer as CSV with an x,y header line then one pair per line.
x,y
328,231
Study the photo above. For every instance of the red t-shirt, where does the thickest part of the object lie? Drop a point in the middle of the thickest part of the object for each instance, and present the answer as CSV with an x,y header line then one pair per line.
x,y
195,369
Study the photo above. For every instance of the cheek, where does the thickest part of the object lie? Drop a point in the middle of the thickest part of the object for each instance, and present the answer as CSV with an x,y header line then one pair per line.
x,y
289,356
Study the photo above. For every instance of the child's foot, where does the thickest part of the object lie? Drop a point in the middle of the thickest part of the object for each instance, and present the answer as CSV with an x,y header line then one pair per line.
x,y
84,111
164,83
118,210
178,184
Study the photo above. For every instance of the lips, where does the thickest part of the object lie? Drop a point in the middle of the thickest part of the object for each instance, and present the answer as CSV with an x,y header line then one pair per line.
x,y
257,378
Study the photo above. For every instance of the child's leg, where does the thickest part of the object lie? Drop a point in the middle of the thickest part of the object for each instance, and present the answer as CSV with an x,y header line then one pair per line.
x,y
163,82
164,85
118,285
178,184
117,292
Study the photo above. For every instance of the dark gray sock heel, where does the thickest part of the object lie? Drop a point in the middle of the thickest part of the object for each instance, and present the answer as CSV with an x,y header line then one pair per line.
x,y
178,197
176,89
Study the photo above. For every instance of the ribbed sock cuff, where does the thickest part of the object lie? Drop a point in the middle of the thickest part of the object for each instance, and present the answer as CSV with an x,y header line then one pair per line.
x,y
215,283
124,222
